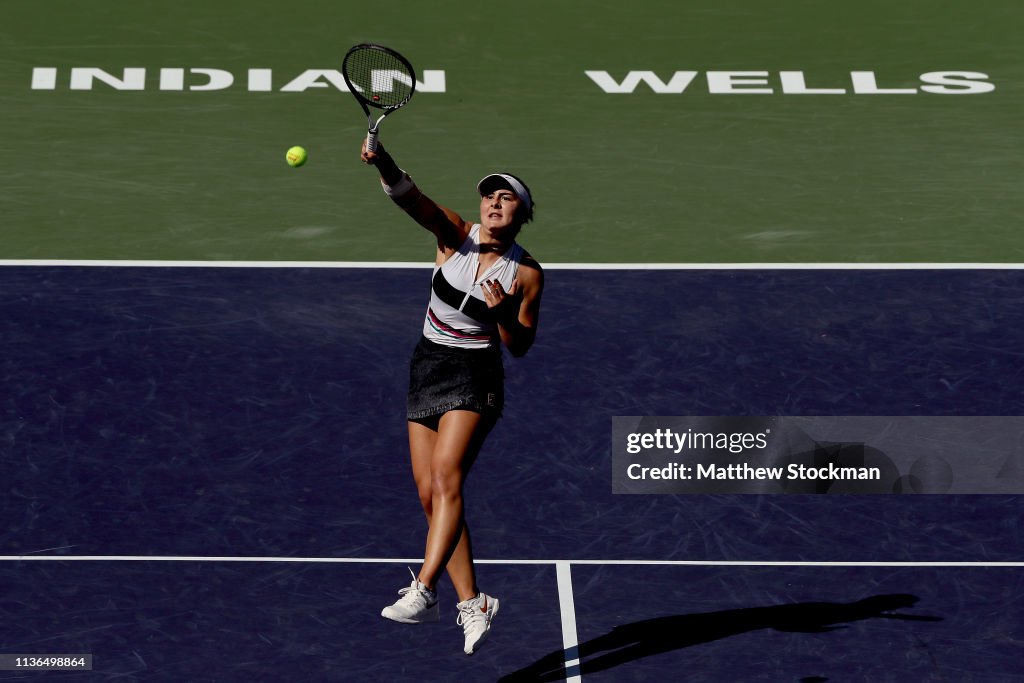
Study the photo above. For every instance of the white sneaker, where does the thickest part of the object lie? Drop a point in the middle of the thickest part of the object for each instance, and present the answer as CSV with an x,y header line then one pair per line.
x,y
475,616
417,605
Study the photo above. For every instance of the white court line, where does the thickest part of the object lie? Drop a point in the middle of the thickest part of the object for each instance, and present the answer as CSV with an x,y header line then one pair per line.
x,y
567,606
764,563
567,562
127,263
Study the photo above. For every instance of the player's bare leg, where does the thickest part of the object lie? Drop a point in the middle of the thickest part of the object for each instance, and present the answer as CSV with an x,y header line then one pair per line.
x,y
456,444
422,440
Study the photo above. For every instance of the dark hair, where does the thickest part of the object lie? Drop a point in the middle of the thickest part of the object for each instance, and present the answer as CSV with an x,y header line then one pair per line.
x,y
525,212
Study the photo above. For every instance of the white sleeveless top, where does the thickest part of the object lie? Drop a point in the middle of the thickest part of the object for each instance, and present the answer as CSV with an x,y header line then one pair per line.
x,y
457,314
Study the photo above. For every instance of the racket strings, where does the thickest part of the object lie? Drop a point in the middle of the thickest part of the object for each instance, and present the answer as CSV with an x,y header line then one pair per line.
x,y
381,79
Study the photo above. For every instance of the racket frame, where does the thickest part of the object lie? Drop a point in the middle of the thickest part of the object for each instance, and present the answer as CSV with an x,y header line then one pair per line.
x,y
373,126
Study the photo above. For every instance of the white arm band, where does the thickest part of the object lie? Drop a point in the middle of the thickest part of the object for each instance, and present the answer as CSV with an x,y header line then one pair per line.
x,y
399,189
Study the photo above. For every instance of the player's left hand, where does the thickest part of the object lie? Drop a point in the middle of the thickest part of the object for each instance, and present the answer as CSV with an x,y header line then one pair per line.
x,y
495,295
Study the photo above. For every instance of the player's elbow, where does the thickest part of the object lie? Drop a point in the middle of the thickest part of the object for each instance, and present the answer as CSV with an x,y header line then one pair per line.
x,y
520,345
518,350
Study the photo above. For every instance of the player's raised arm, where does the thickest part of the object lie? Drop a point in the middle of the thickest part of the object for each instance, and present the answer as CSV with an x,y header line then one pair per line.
x,y
449,228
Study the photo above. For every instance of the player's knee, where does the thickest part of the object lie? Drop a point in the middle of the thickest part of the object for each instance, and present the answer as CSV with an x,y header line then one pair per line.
x,y
426,495
446,485
427,501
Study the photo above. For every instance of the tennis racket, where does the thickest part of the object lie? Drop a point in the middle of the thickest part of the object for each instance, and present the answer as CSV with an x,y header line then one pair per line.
x,y
378,77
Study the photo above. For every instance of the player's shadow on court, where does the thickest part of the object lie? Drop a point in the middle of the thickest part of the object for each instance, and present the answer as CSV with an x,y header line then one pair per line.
x,y
640,639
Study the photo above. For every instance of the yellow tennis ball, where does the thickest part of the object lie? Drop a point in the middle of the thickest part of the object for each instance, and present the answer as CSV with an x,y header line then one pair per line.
x,y
296,156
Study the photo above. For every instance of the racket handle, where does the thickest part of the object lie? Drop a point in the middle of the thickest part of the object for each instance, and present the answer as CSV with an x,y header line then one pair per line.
x,y
371,140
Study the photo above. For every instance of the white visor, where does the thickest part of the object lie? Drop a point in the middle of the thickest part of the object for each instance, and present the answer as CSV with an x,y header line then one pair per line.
x,y
517,187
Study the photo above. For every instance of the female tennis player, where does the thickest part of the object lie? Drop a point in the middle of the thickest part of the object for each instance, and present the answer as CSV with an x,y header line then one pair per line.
x,y
485,293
